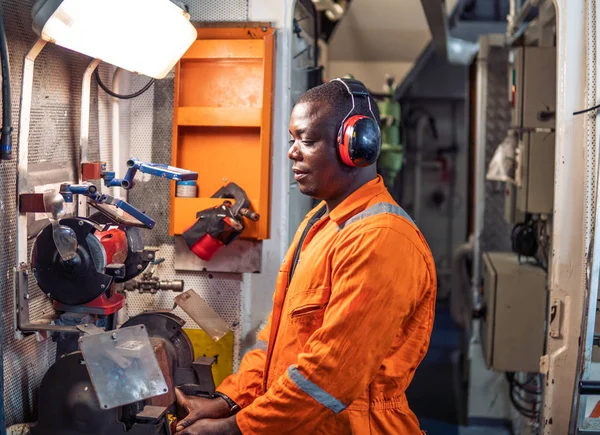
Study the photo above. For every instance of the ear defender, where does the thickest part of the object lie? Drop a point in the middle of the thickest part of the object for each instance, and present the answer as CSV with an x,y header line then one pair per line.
x,y
359,137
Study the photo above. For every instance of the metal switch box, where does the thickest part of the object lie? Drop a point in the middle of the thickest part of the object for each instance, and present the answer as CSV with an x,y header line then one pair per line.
x,y
533,80
536,169
514,325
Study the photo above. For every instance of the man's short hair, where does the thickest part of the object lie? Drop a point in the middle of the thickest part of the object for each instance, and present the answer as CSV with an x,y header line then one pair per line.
x,y
336,97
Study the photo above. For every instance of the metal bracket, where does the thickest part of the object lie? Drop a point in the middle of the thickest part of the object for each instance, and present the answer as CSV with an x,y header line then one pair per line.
x,y
90,329
23,324
555,318
203,368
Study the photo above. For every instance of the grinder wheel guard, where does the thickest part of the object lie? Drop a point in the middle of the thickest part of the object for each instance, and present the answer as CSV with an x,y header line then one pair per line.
x,y
77,281
135,262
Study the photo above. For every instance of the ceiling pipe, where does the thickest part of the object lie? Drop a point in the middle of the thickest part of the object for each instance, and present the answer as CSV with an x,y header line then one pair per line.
x,y
518,15
437,19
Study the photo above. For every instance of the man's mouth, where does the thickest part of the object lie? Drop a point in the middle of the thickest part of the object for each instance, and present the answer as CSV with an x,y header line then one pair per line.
x,y
299,174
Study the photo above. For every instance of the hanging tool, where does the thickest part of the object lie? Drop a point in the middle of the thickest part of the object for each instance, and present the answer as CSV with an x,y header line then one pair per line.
x,y
219,226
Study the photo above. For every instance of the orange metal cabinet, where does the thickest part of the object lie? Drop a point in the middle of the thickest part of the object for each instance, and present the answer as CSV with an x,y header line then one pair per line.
x,y
222,121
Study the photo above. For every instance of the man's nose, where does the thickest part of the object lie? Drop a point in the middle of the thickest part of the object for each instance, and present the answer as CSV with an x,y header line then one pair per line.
x,y
294,152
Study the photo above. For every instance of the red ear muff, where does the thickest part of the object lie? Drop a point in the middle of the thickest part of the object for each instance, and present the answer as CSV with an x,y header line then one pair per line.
x,y
359,142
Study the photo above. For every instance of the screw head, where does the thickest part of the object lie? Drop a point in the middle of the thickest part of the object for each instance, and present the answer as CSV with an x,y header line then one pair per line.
x,y
80,223
102,286
114,335
27,296
139,267
150,256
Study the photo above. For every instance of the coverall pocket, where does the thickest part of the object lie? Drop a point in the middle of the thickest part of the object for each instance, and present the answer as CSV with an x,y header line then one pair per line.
x,y
307,312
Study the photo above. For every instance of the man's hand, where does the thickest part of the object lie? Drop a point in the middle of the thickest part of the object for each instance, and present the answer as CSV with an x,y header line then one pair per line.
x,y
224,426
198,408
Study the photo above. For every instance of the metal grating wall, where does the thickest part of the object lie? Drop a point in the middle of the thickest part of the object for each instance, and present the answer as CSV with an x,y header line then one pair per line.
x,y
150,127
495,235
216,10
54,138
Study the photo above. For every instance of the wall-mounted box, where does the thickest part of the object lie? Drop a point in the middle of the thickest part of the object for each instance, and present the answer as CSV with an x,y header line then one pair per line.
x,y
222,121
533,86
513,330
536,170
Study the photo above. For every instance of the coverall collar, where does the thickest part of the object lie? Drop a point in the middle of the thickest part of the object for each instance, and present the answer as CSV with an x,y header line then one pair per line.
x,y
357,200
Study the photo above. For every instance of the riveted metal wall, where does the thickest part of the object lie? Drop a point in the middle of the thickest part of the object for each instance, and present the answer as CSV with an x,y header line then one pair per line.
x,y
54,139
495,235
150,140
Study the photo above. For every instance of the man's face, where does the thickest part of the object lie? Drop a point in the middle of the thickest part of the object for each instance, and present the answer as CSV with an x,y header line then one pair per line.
x,y
317,168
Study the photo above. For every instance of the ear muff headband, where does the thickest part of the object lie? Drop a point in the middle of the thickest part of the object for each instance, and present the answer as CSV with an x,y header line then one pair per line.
x,y
359,137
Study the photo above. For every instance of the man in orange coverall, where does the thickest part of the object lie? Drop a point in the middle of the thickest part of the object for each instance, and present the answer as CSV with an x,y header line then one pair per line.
x,y
354,300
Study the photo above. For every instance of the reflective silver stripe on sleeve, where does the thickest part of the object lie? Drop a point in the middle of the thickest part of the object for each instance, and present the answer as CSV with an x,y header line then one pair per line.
x,y
261,345
314,391
379,208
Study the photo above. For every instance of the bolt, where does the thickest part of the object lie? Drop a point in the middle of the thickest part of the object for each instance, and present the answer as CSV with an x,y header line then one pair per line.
x,y
114,335
150,256
139,267
264,29
80,223
27,296
102,286
85,326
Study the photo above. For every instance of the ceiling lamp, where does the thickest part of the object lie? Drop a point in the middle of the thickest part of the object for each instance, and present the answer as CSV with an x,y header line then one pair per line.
x,y
142,36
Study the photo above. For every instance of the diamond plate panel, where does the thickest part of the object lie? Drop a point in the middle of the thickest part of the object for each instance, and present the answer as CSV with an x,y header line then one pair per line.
x,y
495,235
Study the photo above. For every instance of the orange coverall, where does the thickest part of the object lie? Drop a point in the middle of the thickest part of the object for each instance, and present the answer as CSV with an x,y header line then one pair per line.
x,y
347,333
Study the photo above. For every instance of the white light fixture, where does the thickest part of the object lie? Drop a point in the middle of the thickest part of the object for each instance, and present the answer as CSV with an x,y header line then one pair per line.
x,y
143,36
334,11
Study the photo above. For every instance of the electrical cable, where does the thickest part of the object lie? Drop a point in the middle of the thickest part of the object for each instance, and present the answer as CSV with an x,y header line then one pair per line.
x,y
6,131
528,409
122,97
580,112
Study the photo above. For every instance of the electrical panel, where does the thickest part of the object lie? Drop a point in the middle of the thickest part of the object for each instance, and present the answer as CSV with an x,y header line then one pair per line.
x,y
513,328
535,173
533,87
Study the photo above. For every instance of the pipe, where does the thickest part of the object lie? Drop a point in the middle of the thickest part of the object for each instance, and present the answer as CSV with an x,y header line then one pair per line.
x,y
516,18
451,192
22,159
512,15
6,135
480,145
422,125
116,129
84,127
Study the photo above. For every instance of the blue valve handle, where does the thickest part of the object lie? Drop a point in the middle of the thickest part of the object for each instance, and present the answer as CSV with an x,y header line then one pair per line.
x,y
156,169
91,191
